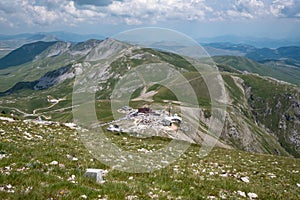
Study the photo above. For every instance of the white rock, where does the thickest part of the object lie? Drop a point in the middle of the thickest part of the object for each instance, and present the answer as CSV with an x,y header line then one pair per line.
x,y
7,119
54,162
2,156
298,184
245,179
271,175
83,196
130,178
243,194
75,159
211,197
224,175
95,174
252,195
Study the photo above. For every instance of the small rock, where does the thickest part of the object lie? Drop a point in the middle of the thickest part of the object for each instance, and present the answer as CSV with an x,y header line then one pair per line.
x,y
252,195
245,179
75,159
54,162
2,156
130,178
224,175
243,194
83,196
95,174
298,184
271,175
211,197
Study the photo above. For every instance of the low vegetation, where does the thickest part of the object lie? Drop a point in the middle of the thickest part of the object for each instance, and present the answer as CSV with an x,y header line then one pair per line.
x,y
49,161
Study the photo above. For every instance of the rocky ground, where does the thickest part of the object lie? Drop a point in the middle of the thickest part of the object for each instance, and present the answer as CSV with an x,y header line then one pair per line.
x,y
48,161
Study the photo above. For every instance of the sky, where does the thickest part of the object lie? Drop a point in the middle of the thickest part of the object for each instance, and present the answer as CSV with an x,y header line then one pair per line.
x,y
196,18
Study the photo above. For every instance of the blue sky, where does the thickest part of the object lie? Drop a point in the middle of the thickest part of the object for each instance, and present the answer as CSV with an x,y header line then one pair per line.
x,y
197,18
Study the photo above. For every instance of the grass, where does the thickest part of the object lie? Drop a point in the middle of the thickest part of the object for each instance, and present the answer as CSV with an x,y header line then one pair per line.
x,y
26,167
276,70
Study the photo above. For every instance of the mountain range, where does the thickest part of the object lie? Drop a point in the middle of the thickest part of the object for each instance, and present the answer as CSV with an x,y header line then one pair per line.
x,y
262,115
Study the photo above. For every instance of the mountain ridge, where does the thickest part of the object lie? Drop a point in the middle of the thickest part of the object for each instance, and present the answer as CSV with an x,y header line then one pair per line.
x,y
245,129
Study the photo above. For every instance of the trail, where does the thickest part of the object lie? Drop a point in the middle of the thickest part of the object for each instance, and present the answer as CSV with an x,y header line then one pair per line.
x,y
54,104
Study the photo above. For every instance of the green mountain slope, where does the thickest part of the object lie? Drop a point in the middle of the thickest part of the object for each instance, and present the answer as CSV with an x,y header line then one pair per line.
x,y
282,72
58,55
24,54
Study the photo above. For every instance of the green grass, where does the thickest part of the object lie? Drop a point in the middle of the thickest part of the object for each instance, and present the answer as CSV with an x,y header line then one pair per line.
x,y
275,70
189,177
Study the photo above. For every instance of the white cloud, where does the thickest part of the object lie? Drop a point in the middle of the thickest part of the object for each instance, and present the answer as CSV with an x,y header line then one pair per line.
x,y
136,12
279,5
156,10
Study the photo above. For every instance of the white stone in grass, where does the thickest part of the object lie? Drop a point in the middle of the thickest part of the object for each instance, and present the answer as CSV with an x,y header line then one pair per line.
x,y
252,195
211,197
2,156
83,196
54,162
243,194
245,179
95,174
298,184
75,159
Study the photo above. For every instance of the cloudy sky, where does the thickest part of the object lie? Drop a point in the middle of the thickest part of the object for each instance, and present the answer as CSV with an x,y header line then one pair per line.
x,y
197,18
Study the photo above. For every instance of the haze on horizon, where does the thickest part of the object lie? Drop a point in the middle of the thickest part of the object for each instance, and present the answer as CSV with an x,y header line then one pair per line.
x,y
196,18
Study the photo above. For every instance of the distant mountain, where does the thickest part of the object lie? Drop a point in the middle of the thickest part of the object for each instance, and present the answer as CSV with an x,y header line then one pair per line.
x,y
258,42
11,42
282,53
73,37
24,54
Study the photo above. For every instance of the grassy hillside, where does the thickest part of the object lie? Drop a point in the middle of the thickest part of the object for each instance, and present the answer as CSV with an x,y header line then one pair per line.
x,y
24,54
285,73
28,149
